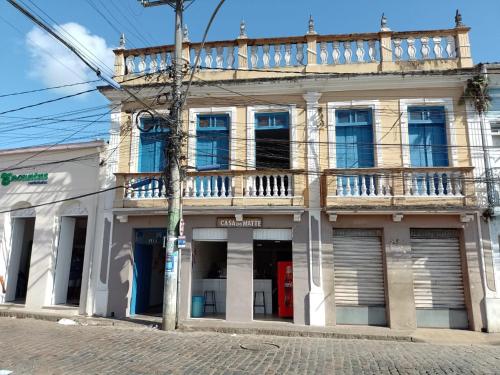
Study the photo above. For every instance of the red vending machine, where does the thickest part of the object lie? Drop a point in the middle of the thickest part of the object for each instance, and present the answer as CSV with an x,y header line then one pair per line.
x,y
285,290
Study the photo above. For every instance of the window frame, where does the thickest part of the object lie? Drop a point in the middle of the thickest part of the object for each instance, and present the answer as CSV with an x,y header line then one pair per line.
x,y
272,127
193,126
134,155
333,107
425,123
451,138
251,127
226,129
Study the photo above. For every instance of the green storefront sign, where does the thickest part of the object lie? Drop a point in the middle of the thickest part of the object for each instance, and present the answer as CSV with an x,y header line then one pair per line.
x,y
32,178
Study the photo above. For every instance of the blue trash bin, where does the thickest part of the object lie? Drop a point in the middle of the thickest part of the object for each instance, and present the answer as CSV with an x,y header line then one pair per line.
x,y
197,303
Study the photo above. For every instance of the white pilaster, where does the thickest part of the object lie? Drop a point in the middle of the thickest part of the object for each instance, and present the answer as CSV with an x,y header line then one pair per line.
x,y
317,315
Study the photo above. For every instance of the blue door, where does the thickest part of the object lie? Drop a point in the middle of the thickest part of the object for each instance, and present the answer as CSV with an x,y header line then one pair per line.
x,y
427,133
148,262
354,138
428,145
139,301
212,150
354,143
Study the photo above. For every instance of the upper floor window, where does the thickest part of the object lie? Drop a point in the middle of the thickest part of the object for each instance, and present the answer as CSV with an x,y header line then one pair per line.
x,y
212,142
494,108
427,136
152,145
272,140
354,138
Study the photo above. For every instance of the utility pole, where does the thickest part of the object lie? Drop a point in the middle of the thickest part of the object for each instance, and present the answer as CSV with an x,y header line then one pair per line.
x,y
173,171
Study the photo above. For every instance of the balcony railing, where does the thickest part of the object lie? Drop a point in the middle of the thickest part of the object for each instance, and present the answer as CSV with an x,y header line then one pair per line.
x,y
406,186
275,186
365,52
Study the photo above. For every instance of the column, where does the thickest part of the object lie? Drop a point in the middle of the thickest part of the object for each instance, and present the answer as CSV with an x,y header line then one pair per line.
x,y
239,285
100,226
316,296
398,263
40,284
101,265
63,262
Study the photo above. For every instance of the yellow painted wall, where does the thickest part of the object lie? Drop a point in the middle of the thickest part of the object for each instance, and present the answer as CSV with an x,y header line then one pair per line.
x,y
389,114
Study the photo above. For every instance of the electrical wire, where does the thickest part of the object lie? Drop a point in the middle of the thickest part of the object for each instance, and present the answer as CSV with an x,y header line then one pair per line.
x,y
47,101
48,88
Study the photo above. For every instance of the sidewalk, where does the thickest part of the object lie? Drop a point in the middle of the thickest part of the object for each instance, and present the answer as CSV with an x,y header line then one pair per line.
x,y
422,335
272,328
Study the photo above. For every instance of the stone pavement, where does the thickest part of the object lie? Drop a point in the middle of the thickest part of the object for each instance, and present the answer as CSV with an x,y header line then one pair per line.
x,y
40,347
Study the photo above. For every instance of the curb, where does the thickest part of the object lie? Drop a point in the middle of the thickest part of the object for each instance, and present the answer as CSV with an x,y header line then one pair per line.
x,y
82,320
297,333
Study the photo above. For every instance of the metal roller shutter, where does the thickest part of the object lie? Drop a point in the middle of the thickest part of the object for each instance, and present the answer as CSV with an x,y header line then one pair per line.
x,y
358,266
437,269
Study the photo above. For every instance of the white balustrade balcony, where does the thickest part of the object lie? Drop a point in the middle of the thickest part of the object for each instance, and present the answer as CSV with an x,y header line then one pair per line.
x,y
268,187
399,186
363,52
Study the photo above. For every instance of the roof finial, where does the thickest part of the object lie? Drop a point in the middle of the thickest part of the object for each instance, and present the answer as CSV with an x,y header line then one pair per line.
x,y
243,29
185,34
458,19
311,25
383,23
122,41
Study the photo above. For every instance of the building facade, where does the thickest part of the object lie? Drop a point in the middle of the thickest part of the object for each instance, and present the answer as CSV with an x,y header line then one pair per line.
x,y
47,246
339,164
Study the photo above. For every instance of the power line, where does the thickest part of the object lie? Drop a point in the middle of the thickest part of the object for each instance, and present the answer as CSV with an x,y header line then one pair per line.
x,y
47,101
48,88
53,145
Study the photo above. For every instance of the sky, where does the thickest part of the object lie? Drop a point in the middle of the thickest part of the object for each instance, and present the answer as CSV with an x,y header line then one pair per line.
x,y
33,60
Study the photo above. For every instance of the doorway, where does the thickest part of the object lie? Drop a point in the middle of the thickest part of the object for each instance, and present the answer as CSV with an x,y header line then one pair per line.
x,y
273,280
148,272
69,261
20,259
209,274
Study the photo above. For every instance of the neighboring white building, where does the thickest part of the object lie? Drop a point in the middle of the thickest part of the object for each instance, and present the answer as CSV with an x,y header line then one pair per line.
x,y
490,228
493,128
50,253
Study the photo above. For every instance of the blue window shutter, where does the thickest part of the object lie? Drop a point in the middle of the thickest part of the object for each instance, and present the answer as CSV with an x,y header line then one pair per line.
x,y
418,157
354,139
439,147
212,142
342,151
427,136
151,150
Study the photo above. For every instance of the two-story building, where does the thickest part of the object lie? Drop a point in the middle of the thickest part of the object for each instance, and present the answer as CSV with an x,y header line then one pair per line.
x,y
342,160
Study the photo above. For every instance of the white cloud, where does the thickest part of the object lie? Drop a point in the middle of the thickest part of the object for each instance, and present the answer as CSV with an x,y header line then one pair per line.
x,y
55,65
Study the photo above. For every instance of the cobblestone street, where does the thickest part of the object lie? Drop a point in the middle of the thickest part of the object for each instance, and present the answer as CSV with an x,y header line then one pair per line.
x,y
40,347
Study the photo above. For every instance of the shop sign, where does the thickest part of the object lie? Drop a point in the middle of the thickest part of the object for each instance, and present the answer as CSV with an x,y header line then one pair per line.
x,y
31,179
231,222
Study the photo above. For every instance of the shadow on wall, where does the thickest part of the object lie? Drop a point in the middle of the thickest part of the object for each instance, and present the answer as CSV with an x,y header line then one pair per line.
x,y
119,279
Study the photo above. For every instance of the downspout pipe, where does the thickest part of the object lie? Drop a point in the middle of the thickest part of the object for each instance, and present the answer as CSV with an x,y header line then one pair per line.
x,y
482,268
